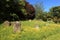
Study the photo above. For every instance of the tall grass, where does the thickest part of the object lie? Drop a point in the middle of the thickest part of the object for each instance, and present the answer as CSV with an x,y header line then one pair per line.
x,y
46,31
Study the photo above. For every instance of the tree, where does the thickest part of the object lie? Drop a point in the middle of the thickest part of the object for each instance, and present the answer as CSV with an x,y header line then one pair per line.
x,y
39,10
14,9
8,7
30,10
55,12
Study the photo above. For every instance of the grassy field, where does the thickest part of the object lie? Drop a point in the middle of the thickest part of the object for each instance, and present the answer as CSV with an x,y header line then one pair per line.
x,y
45,31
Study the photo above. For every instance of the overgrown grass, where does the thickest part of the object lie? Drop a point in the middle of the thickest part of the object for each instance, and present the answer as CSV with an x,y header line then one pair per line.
x,y
46,31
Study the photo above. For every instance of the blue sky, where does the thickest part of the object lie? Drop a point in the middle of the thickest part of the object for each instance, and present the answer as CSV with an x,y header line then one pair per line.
x,y
46,3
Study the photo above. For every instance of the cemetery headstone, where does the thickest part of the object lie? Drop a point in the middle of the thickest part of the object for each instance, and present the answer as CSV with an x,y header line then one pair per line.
x,y
17,26
6,23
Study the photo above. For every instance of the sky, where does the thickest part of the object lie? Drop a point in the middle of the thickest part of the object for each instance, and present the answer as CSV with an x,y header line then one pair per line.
x,y
47,4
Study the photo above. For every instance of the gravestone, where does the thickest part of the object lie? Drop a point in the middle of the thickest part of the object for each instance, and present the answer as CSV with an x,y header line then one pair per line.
x,y
17,26
6,24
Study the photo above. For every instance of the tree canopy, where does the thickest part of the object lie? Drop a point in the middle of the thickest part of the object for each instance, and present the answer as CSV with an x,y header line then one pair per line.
x,y
16,10
55,11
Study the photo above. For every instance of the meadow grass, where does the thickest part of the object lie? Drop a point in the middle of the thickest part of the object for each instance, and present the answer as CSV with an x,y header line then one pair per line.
x,y
46,31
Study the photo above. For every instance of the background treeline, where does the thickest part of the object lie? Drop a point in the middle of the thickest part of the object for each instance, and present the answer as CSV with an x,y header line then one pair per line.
x,y
13,10
52,15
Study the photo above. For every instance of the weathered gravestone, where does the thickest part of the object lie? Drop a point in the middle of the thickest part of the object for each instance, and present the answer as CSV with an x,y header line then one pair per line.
x,y
17,26
6,24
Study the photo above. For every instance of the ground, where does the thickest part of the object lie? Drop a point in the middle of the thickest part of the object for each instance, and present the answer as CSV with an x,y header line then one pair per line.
x,y
32,30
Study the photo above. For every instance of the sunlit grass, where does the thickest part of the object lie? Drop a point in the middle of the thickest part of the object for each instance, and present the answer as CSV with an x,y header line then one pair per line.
x,y
45,31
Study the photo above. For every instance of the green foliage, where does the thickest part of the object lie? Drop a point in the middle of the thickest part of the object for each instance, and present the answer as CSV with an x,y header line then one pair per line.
x,y
39,10
8,7
22,2
14,17
55,13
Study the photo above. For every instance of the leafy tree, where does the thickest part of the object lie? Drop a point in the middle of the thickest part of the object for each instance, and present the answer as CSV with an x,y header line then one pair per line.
x,y
7,7
30,10
15,9
55,12
39,10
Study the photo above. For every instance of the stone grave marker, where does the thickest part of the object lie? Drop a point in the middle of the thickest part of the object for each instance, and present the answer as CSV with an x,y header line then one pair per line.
x,y
6,24
17,26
